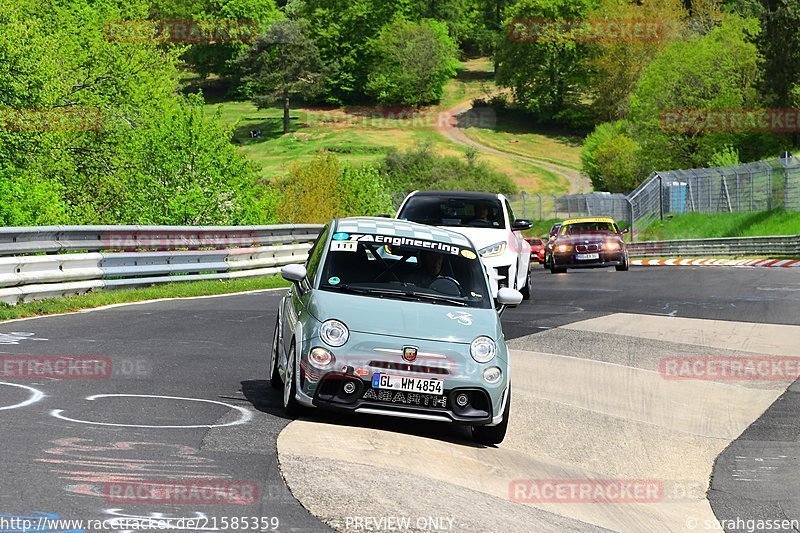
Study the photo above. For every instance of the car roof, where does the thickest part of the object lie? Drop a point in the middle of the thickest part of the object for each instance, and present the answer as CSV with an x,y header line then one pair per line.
x,y
588,219
400,228
471,195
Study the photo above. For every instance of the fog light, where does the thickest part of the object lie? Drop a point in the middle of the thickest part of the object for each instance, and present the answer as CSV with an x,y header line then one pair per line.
x,y
492,374
462,400
320,357
349,387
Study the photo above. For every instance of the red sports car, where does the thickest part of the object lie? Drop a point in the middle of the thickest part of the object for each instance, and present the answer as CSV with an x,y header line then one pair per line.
x,y
536,246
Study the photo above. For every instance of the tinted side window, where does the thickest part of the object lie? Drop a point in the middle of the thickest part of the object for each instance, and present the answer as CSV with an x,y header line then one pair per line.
x,y
315,254
511,217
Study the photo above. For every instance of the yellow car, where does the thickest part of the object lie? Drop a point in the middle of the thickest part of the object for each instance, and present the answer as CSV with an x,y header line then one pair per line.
x,y
588,243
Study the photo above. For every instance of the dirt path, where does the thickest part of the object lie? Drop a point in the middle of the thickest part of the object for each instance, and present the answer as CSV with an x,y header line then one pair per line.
x,y
578,182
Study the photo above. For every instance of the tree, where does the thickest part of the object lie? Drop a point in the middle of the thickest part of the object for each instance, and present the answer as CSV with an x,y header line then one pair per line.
x,y
716,71
146,154
344,31
780,44
243,19
411,62
547,72
618,64
283,64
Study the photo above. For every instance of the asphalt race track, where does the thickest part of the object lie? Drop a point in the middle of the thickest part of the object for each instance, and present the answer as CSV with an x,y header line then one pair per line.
x,y
184,398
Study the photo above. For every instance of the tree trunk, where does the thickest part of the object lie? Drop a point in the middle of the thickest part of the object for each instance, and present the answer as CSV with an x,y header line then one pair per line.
x,y
285,112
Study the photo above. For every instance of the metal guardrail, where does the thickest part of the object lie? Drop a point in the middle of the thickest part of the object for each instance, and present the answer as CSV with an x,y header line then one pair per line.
x,y
781,245
135,256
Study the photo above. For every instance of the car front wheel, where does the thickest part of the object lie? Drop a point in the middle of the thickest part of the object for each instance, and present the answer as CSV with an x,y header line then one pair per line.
x,y
290,405
624,266
556,269
493,434
526,289
274,376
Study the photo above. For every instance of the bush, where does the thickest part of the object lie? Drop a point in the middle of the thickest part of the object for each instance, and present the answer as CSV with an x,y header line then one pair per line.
x,y
419,168
411,62
727,156
611,158
324,188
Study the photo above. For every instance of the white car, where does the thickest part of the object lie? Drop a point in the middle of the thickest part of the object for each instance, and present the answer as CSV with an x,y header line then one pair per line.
x,y
488,221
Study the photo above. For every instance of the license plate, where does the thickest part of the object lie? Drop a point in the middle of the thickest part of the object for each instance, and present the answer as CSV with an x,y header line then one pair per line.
x,y
587,256
399,383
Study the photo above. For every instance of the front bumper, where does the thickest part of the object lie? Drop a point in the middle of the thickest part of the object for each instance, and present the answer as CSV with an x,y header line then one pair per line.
x,y
605,259
367,354
505,267
332,393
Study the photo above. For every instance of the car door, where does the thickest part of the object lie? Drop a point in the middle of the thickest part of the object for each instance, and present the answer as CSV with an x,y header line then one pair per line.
x,y
297,298
521,248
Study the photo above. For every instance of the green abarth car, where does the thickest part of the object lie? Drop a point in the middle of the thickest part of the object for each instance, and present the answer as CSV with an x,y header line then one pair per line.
x,y
395,318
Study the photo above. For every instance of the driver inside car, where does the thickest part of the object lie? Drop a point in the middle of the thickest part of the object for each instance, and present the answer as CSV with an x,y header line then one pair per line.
x,y
431,275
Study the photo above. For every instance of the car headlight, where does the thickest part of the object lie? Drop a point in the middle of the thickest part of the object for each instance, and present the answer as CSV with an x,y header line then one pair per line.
x,y
494,250
611,245
482,349
563,248
320,357
492,375
334,333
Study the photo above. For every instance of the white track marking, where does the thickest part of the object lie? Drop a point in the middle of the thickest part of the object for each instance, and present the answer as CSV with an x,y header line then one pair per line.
x,y
245,415
36,395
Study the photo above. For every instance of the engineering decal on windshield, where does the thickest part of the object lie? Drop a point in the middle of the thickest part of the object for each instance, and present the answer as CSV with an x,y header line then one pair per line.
x,y
444,247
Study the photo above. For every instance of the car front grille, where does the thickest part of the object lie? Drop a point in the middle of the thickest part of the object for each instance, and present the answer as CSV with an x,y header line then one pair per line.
x,y
580,248
405,367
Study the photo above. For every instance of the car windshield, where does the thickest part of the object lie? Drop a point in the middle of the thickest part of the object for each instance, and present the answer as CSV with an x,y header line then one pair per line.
x,y
580,228
455,212
428,271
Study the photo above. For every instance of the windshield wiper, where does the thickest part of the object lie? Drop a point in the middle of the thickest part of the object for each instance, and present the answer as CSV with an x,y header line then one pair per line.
x,y
436,298
396,293
367,290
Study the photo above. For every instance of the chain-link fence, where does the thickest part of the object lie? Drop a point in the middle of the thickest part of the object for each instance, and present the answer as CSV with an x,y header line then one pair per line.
x,y
550,206
757,186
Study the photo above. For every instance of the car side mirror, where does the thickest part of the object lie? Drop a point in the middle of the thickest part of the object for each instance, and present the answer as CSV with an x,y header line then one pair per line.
x,y
521,224
626,230
294,273
509,297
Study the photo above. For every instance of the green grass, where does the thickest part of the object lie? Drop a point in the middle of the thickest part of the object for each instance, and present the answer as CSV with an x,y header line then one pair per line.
x,y
516,137
717,225
167,290
475,79
357,135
